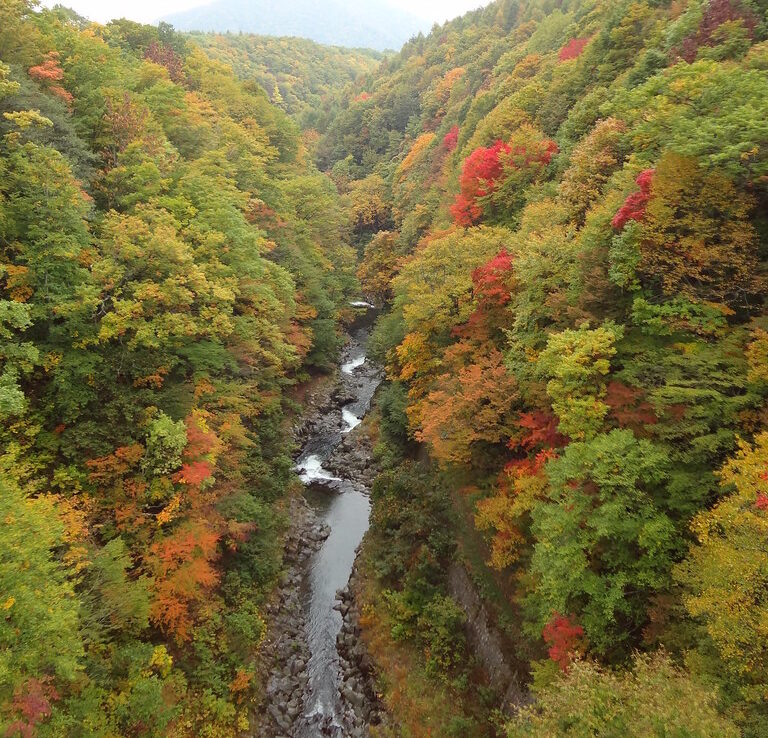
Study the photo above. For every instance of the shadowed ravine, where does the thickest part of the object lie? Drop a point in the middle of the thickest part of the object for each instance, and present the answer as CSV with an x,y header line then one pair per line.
x,y
340,503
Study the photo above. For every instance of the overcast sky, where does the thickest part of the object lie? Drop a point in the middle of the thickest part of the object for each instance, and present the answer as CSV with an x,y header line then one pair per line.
x,y
148,11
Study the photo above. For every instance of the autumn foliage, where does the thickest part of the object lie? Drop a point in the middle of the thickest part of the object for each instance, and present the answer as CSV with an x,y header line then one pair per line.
x,y
573,49
491,281
471,408
572,325
636,203
479,177
697,239
717,15
32,703
49,73
580,353
451,139
185,572
563,637
166,57
487,169
162,287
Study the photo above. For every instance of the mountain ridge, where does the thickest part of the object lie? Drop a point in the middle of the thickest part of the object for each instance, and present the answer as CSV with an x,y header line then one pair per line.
x,y
297,73
377,25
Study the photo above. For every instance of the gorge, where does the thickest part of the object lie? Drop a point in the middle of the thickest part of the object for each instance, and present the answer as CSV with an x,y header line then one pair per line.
x,y
413,394
320,699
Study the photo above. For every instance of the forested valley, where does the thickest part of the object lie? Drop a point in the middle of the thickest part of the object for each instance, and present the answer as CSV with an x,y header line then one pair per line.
x,y
559,211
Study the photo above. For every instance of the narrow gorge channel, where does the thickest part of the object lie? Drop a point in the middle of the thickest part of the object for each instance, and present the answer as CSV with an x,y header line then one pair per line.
x,y
313,690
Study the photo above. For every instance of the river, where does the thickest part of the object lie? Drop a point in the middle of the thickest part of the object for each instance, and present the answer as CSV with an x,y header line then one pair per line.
x,y
342,504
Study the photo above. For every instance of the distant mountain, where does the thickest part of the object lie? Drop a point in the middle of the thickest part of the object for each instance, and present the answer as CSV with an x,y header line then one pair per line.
x,y
298,74
373,24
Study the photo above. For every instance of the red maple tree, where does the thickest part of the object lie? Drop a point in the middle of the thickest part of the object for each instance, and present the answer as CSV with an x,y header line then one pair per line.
x,y
451,139
634,206
539,431
32,702
573,49
564,638
487,168
490,281
479,176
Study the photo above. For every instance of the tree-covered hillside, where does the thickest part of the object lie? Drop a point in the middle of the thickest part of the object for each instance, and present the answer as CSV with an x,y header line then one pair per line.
x,y
164,283
563,205
299,75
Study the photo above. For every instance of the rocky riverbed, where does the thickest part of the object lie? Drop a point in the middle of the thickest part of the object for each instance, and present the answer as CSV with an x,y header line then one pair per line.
x,y
320,681
358,684
285,651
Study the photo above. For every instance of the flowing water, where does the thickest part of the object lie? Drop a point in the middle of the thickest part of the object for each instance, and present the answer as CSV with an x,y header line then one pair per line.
x,y
343,505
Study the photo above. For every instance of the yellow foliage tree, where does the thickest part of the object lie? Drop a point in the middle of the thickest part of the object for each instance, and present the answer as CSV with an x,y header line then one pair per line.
x,y
697,240
726,573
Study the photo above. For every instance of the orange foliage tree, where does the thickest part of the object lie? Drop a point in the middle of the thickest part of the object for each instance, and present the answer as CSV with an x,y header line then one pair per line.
x,y
184,569
49,74
471,407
